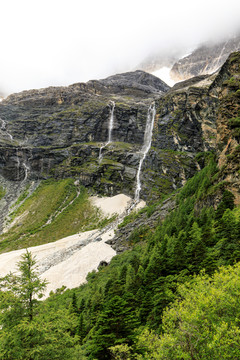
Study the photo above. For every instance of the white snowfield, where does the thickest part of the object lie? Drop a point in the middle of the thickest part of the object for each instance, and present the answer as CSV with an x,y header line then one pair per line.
x,y
112,205
164,74
68,261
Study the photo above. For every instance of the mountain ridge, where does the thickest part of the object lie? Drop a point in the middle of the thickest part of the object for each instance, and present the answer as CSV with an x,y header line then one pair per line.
x,y
59,132
58,146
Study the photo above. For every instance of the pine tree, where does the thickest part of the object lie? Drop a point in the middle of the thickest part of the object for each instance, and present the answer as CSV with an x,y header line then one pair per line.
x,y
73,306
81,329
195,248
229,238
130,279
31,329
227,202
115,326
24,289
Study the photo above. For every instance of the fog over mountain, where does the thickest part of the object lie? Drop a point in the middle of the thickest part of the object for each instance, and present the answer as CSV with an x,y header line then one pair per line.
x,y
58,43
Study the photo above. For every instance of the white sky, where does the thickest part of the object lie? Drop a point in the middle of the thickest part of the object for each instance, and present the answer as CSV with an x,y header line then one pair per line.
x,y
56,42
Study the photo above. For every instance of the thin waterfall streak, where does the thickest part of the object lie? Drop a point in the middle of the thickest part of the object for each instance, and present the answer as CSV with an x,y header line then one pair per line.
x,y
26,170
100,153
110,128
24,164
4,128
18,165
145,148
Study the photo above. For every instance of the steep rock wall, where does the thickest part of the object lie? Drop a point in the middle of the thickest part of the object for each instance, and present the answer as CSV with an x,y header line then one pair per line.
x,y
58,132
206,59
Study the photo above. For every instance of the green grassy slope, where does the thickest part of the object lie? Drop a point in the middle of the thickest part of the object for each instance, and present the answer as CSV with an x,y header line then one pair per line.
x,y
56,209
139,284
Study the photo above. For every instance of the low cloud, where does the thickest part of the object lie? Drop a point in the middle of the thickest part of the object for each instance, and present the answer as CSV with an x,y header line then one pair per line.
x,y
58,43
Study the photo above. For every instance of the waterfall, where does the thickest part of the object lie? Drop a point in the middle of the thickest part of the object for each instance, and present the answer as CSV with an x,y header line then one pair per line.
x,y
3,128
145,148
110,127
26,168
18,165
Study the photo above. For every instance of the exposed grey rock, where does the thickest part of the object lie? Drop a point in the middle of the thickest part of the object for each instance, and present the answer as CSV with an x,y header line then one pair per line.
x,y
122,239
206,59
58,132
139,80
102,264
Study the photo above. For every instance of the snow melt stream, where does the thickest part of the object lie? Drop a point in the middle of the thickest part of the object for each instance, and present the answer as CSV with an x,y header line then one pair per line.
x,y
110,127
146,146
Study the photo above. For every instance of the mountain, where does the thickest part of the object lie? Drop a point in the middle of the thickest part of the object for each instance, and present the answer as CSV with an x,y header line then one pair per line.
x,y
174,66
59,132
159,60
205,59
135,80
178,149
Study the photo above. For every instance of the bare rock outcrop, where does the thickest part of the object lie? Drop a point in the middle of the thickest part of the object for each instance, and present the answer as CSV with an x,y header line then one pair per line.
x,y
206,59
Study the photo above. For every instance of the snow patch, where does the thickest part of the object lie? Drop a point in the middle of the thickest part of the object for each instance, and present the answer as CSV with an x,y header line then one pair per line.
x,y
66,262
112,205
84,252
164,74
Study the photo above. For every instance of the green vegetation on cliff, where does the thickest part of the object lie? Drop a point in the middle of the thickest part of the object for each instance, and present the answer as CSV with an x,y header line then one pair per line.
x,y
29,328
131,307
55,210
121,302
202,323
175,294
2,192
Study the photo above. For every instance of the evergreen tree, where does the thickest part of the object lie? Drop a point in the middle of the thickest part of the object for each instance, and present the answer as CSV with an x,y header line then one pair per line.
x,y
130,278
122,274
202,324
81,329
23,291
229,238
178,256
227,202
115,326
31,329
146,307
195,248
73,305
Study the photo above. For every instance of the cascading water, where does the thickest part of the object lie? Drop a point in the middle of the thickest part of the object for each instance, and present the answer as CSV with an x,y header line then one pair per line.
x,y
18,165
4,129
26,168
145,148
110,127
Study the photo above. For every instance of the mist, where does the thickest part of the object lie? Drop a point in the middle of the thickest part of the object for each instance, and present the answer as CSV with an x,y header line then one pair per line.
x,y
54,42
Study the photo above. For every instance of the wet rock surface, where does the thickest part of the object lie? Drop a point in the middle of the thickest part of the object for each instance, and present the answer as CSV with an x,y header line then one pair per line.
x,y
58,132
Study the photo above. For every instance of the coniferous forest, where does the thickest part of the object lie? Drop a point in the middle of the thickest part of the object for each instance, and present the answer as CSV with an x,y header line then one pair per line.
x,y
175,295
172,291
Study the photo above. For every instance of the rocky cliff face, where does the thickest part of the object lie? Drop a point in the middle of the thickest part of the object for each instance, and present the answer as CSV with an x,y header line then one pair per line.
x,y
59,132
227,87
206,59
40,128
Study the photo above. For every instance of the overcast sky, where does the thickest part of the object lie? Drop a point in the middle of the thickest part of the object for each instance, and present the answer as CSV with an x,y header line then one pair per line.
x,y
55,42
